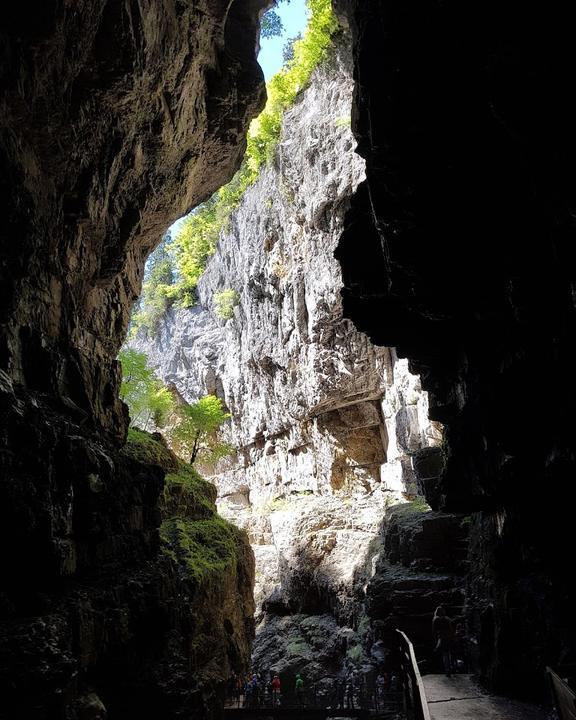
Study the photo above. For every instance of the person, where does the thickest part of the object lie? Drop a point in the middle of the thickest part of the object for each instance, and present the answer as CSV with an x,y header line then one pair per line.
x,y
276,687
340,693
381,684
248,695
350,691
444,636
252,690
237,687
299,689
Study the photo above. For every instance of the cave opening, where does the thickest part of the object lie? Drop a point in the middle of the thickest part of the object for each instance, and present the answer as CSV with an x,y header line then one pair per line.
x,y
314,437
336,344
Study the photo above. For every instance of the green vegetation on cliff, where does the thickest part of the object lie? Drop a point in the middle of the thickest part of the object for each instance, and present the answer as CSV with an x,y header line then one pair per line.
x,y
196,240
150,450
207,549
149,401
204,545
194,429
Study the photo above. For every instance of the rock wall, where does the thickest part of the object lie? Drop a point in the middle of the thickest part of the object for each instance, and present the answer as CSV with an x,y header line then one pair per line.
x,y
115,119
102,616
324,423
459,251
422,563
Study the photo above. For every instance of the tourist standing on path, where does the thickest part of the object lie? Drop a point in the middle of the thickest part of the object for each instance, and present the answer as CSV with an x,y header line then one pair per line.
x,y
350,690
299,690
381,687
443,633
276,687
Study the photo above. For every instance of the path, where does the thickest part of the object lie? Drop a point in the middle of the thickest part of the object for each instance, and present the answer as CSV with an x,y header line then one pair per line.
x,y
460,698
294,713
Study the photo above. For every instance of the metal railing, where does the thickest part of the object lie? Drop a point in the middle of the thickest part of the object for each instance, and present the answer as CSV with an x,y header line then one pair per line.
x,y
564,696
416,705
364,696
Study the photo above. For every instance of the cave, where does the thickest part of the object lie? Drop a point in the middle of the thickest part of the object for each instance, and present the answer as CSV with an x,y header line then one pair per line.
x,y
451,233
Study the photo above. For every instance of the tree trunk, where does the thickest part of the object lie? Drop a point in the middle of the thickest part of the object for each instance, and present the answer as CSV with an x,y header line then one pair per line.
x,y
195,448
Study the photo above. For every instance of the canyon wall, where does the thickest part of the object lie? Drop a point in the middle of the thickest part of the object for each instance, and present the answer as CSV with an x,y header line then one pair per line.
x,y
115,119
459,251
325,425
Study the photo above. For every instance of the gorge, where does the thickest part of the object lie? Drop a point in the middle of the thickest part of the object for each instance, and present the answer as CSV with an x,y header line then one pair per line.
x,y
452,225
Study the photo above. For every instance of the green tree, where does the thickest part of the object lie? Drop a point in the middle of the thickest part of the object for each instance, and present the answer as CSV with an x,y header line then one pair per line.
x,y
147,399
271,25
288,49
224,303
197,430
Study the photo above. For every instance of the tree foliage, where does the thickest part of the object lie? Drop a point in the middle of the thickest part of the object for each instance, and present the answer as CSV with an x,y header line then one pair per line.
x,y
196,432
224,303
147,399
271,25
158,290
288,49
197,238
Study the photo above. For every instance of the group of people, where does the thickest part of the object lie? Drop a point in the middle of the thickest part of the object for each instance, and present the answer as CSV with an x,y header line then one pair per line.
x,y
347,692
254,690
350,691
450,642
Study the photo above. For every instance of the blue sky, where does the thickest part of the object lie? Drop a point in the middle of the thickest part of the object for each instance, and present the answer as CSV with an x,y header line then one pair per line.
x,y
294,18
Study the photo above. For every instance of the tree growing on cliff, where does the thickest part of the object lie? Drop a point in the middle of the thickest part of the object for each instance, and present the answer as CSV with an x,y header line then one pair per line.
x,y
224,303
147,399
197,430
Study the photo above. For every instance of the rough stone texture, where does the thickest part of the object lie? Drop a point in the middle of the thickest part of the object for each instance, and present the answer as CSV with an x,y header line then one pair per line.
x,y
421,564
115,121
115,118
92,610
325,424
459,251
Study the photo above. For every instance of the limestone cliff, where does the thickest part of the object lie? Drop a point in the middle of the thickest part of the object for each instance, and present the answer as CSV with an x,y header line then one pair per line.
x,y
324,423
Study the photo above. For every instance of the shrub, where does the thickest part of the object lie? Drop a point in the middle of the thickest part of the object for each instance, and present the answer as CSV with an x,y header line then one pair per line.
x,y
224,303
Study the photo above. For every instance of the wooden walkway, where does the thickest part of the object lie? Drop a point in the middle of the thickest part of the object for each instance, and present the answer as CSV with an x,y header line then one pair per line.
x,y
460,698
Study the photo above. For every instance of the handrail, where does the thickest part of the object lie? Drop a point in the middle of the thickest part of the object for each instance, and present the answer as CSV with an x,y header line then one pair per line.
x,y
564,696
419,701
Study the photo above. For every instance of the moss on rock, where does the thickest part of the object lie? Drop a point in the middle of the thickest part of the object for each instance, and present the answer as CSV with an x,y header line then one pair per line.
x,y
150,449
204,545
206,549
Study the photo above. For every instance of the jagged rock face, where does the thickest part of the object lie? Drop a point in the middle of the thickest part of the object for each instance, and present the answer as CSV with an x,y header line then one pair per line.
x,y
459,251
325,423
421,564
115,119
302,386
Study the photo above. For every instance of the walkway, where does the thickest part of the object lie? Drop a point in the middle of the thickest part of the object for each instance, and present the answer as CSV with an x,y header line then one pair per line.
x,y
460,698
305,713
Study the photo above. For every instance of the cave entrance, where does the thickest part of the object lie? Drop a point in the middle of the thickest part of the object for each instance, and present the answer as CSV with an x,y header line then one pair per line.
x,y
240,355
